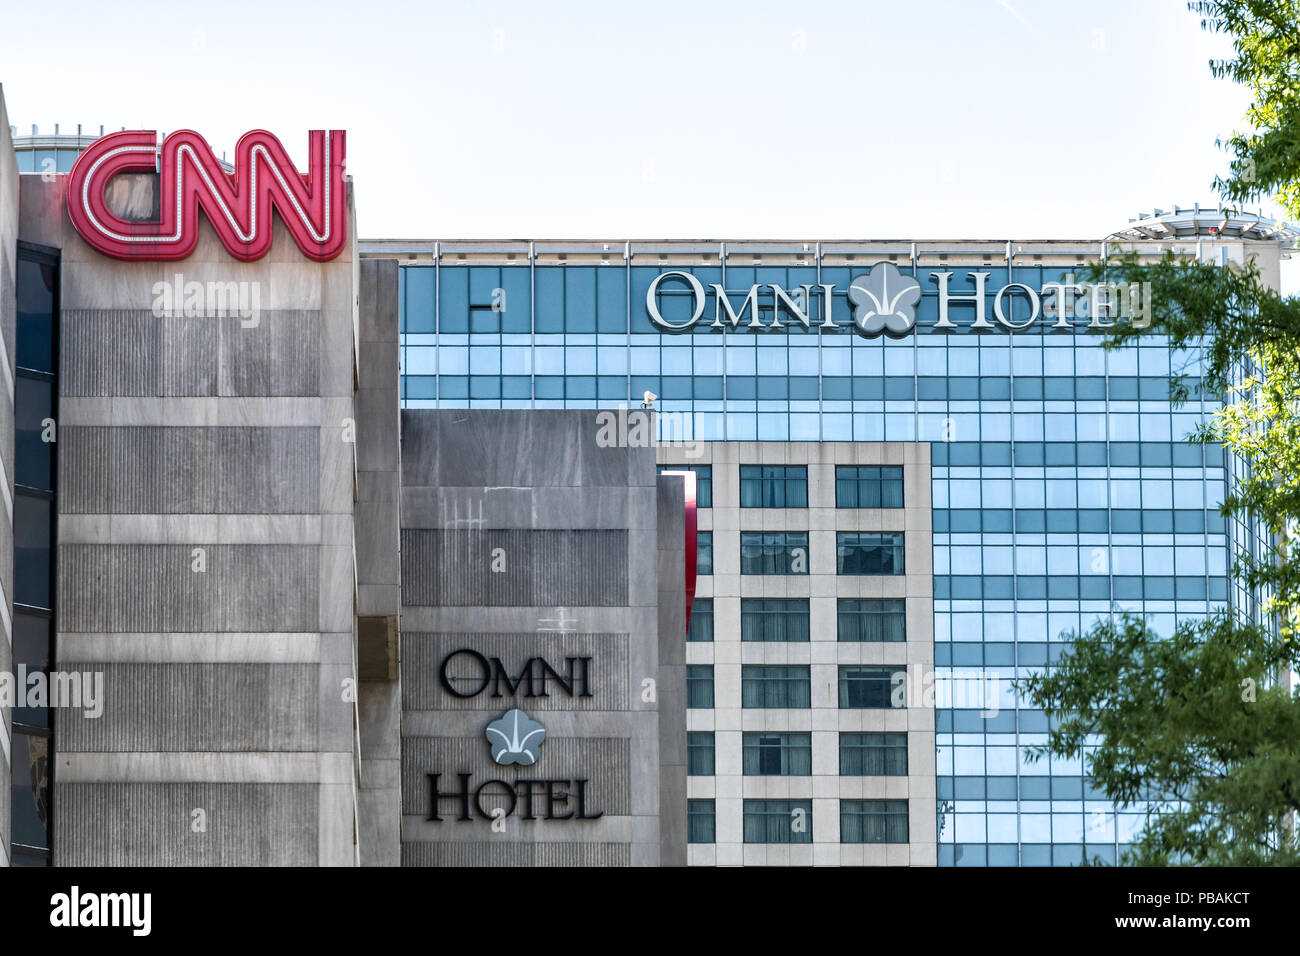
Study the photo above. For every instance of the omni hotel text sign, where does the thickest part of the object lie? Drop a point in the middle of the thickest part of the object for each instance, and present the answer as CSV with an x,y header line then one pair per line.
x,y
884,301
515,739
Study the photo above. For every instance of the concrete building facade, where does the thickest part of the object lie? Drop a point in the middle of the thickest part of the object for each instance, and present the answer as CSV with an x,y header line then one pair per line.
x,y
532,578
205,557
741,729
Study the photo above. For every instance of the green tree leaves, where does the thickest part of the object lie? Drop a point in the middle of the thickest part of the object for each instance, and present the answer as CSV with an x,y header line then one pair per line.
x,y
1202,725
1266,40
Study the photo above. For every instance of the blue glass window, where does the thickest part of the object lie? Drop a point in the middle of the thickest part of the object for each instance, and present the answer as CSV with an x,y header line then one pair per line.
x,y
776,754
872,620
700,825
775,686
873,821
699,754
417,300
868,486
774,619
453,301
774,552
871,687
873,755
703,482
699,686
866,553
773,486
704,552
701,627
777,821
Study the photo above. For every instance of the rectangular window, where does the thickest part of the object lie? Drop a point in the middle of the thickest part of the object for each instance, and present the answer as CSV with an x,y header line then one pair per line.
x,y
873,755
33,451
778,821
700,826
699,685
775,685
777,755
30,792
703,482
872,620
35,514
33,647
773,486
33,530
701,629
774,552
873,821
704,552
37,299
699,753
484,319
869,486
774,619
871,687
868,553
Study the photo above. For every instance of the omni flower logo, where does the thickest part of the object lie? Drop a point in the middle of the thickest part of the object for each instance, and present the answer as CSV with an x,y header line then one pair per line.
x,y
884,300
515,738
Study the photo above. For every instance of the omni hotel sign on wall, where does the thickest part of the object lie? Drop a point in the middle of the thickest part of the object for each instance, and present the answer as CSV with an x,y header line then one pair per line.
x,y
313,207
513,739
883,301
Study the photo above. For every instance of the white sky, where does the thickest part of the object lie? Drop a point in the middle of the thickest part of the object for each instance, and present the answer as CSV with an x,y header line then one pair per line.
x,y
964,119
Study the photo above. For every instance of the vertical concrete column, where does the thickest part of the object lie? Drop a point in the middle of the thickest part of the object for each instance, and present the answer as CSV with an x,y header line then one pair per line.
x,y
379,572
8,317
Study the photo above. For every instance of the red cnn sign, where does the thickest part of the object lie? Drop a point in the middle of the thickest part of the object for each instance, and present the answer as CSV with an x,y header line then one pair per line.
x,y
238,205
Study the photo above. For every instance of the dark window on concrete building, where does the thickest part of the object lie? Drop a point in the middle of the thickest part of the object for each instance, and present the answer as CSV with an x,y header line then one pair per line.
x,y
700,826
701,629
871,687
34,525
704,552
872,620
775,685
774,552
779,755
703,482
873,755
33,547
778,821
699,753
873,821
773,486
33,449
37,294
869,486
699,685
774,619
865,553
